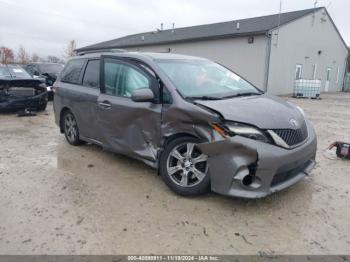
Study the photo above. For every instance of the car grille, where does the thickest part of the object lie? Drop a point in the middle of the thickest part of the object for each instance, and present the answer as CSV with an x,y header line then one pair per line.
x,y
285,176
292,137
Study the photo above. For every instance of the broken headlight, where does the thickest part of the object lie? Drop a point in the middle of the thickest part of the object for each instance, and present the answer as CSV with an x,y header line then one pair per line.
x,y
232,129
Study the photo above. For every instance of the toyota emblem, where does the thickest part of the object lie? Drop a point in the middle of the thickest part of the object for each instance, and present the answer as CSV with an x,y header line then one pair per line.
x,y
294,122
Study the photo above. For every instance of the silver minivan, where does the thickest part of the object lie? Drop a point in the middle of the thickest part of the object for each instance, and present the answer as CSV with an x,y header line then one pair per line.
x,y
200,124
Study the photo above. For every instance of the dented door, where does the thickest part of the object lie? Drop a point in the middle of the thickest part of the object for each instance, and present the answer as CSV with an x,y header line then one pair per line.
x,y
125,126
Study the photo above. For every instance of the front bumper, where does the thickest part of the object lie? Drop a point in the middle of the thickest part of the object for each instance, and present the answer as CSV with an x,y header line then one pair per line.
x,y
273,168
31,102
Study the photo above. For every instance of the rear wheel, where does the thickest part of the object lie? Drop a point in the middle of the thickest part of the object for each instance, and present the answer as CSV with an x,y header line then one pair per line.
x,y
70,128
184,168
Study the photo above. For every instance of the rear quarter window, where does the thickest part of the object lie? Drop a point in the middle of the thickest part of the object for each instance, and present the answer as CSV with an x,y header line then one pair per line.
x,y
92,74
72,71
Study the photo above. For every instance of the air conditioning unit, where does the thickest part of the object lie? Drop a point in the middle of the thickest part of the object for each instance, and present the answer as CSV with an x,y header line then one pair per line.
x,y
304,88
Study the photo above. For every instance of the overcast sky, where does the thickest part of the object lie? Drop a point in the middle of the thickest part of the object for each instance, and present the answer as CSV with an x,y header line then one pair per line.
x,y
46,27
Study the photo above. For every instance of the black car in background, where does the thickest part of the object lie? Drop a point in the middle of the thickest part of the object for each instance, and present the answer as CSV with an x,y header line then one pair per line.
x,y
48,71
19,90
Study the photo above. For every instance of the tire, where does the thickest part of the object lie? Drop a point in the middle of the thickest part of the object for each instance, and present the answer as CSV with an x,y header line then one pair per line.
x,y
70,129
42,107
176,162
50,96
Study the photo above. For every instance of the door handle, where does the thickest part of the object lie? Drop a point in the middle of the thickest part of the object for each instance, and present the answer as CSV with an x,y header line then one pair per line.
x,y
105,105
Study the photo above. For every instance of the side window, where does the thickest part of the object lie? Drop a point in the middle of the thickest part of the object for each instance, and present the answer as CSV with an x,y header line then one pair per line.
x,y
71,72
92,74
36,70
29,69
122,80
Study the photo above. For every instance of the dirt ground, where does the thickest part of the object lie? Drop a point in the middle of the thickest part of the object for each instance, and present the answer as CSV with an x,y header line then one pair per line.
x,y
59,199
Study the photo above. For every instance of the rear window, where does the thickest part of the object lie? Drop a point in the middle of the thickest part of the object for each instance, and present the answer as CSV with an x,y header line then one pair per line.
x,y
92,74
71,72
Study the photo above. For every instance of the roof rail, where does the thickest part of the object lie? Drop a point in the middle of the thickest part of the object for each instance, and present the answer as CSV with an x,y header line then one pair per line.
x,y
101,51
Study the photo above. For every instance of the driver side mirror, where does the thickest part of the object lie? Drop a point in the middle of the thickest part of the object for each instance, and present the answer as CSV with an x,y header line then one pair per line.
x,y
142,95
36,73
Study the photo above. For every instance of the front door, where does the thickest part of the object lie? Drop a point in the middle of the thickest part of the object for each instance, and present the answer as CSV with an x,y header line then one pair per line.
x,y
125,126
328,79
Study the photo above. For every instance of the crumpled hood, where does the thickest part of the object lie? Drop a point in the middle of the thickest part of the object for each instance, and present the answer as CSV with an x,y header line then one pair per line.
x,y
263,111
20,82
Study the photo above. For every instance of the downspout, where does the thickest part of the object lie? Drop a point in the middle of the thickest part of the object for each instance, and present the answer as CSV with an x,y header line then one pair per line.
x,y
267,60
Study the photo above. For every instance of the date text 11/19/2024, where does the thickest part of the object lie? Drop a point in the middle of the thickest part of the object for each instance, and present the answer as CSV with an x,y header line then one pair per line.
x,y
173,258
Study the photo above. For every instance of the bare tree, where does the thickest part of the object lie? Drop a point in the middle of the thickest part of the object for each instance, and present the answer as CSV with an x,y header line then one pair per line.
x,y
42,59
22,55
6,55
53,59
70,50
35,57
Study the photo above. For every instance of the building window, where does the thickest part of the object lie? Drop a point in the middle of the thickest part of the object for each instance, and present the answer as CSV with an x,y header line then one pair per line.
x,y
329,70
314,71
298,71
338,73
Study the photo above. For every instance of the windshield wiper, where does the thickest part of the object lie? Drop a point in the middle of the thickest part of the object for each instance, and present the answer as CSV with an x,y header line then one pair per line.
x,y
224,97
242,94
204,97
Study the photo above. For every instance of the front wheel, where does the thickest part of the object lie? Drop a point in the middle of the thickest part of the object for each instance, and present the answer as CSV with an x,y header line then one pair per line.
x,y
184,168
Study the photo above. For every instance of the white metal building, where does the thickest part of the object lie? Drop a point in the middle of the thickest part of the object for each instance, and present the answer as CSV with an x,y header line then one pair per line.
x,y
270,51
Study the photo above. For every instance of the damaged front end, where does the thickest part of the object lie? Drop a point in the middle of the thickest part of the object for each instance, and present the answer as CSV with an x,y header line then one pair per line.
x,y
18,94
247,167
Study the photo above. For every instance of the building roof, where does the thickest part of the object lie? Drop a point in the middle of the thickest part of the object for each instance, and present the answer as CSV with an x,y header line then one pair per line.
x,y
249,26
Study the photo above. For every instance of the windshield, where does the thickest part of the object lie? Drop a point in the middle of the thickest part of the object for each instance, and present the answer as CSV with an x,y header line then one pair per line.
x,y
202,78
12,71
51,68
4,72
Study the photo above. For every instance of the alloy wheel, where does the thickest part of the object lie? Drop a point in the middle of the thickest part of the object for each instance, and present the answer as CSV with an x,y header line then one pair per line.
x,y
187,165
71,128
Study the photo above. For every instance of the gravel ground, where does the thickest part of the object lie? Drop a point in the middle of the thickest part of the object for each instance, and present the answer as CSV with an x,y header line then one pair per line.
x,y
59,199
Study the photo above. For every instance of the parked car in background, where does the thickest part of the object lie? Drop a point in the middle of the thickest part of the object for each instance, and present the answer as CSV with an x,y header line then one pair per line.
x,y
48,71
201,125
19,90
